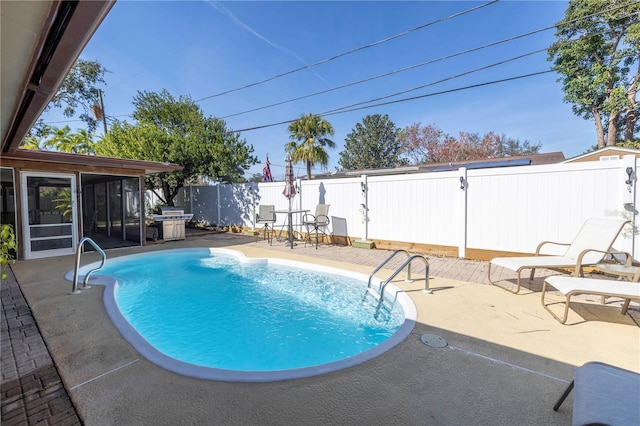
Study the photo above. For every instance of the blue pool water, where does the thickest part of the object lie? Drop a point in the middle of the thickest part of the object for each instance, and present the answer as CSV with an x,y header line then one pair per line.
x,y
214,310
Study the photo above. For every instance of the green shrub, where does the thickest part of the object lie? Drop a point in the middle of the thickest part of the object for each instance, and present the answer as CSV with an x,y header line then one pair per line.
x,y
8,247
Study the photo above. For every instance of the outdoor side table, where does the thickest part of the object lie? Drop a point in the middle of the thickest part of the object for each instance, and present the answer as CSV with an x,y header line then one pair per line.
x,y
627,272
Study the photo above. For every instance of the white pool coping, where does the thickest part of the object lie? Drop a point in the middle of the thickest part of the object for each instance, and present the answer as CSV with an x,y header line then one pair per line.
x,y
209,373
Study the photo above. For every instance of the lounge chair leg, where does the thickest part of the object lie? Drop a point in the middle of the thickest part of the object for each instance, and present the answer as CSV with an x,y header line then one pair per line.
x,y
546,306
495,283
564,396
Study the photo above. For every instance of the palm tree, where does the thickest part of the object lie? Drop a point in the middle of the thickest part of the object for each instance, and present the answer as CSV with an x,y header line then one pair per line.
x,y
309,134
64,140
60,140
82,142
32,142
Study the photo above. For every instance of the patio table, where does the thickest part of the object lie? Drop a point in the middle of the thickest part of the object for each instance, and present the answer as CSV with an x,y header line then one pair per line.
x,y
290,214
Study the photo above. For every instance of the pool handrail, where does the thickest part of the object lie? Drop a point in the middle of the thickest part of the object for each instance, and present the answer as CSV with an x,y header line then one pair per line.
x,y
383,284
75,290
387,260
406,263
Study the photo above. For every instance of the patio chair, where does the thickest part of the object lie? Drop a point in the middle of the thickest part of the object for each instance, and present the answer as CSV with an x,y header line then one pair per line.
x,y
627,289
316,222
590,245
267,217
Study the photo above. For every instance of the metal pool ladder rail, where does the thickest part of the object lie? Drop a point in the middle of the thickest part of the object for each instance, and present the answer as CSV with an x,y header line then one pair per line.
x,y
379,294
88,274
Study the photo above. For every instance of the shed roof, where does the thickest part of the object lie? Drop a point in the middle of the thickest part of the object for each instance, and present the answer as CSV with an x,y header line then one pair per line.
x,y
606,153
516,160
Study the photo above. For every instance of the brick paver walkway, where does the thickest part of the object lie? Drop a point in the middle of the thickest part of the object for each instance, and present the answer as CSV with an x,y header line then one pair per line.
x,y
31,389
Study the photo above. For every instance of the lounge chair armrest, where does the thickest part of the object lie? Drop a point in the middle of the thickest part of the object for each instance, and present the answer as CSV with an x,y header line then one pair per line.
x,y
549,242
628,258
628,261
578,270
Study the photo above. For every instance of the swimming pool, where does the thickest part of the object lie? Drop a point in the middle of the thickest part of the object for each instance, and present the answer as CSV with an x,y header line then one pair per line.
x,y
215,314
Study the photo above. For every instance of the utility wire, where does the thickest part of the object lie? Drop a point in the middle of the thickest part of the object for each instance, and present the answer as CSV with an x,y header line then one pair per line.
x,y
335,112
400,35
324,61
110,117
515,58
432,61
400,70
473,86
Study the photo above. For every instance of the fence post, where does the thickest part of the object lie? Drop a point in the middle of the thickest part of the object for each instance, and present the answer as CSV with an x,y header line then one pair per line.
x,y
364,185
218,221
629,166
462,235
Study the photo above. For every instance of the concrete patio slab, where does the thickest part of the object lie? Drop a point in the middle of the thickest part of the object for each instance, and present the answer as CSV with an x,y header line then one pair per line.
x,y
506,361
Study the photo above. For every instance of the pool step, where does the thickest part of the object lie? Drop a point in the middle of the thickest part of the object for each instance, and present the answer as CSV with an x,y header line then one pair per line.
x,y
380,304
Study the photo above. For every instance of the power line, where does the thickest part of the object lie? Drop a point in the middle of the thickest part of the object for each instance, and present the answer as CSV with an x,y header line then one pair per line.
x,y
358,49
393,72
413,89
397,36
473,86
335,112
432,61
400,70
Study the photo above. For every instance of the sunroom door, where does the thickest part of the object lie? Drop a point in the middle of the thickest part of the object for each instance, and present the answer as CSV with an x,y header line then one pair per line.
x,y
49,214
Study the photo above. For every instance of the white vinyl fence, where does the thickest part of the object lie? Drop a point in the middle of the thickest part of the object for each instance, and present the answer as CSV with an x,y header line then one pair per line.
x,y
507,209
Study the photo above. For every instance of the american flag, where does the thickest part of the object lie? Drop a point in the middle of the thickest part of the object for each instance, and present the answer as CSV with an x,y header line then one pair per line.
x,y
266,172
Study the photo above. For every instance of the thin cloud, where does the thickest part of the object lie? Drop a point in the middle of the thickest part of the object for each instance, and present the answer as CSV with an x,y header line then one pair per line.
x,y
219,7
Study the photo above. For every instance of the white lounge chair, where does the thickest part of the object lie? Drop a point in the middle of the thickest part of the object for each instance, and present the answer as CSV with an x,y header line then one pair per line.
x,y
604,395
591,244
572,286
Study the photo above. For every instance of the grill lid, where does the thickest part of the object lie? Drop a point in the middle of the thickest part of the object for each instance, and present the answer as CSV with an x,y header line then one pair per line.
x,y
171,209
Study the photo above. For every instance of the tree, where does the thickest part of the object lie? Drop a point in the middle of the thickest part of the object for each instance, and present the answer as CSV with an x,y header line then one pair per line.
x,y
32,142
256,177
176,131
371,145
424,145
509,147
309,134
598,54
62,140
417,142
77,91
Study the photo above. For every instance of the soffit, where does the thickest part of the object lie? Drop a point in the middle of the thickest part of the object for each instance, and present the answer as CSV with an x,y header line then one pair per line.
x,y
40,41
80,160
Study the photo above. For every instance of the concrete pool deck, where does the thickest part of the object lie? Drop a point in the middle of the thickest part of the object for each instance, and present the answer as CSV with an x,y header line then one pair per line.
x,y
507,360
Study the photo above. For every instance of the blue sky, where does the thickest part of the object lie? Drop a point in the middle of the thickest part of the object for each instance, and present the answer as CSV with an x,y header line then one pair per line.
x,y
205,48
